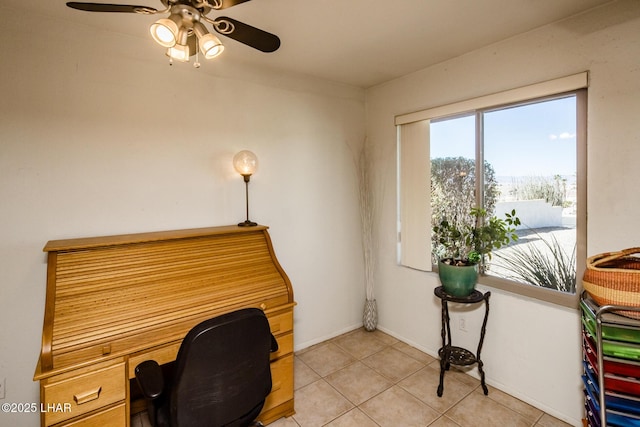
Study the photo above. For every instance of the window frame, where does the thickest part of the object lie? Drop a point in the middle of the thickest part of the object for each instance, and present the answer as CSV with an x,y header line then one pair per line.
x,y
571,85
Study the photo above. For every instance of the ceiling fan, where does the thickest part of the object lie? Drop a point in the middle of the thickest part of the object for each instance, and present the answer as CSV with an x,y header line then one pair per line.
x,y
183,31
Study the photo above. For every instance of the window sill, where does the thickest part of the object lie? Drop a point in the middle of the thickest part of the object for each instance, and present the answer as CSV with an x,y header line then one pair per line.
x,y
535,292
548,295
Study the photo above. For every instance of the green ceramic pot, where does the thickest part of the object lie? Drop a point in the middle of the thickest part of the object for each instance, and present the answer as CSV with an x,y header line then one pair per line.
x,y
459,281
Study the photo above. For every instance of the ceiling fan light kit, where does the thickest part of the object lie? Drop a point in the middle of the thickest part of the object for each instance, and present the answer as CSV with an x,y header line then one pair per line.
x,y
165,31
183,33
179,52
210,45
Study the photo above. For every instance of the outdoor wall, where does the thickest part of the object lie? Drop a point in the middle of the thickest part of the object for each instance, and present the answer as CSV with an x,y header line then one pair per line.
x,y
532,348
532,213
100,136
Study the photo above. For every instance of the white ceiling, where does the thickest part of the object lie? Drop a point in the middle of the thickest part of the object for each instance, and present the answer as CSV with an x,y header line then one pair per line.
x,y
357,42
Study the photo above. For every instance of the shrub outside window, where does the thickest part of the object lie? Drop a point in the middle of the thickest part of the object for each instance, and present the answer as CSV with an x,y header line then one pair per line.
x,y
524,146
524,157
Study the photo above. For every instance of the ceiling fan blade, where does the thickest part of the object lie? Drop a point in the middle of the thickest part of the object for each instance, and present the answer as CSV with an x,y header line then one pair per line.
x,y
244,33
229,3
105,7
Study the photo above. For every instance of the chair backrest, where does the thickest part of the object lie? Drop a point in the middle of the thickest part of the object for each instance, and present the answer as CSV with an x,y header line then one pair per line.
x,y
222,371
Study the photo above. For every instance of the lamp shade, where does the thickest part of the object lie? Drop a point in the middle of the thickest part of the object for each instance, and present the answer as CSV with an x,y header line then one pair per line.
x,y
245,162
184,47
179,52
211,46
165,31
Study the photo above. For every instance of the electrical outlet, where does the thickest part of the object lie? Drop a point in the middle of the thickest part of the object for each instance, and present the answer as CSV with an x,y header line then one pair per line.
x,y
462,324
2,387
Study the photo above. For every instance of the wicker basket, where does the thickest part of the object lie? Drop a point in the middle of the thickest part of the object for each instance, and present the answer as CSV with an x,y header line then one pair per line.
x,y
613,278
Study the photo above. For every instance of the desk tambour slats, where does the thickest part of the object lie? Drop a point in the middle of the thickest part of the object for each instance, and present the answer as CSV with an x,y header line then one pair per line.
x,y
112,297
115,296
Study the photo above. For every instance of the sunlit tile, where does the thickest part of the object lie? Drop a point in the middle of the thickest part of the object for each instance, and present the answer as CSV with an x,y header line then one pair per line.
x,y
396,407
524,409
326,358
353,418
424,385
360,343
414,352
548,421
318,403
304,375
357,382
478,410
393,364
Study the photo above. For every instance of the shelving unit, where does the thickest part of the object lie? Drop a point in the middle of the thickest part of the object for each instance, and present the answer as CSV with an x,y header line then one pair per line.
x,y
611,358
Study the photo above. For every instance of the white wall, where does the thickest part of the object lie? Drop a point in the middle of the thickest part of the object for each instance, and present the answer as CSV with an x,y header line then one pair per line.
x,y
112,140
532,348
87,148
535,213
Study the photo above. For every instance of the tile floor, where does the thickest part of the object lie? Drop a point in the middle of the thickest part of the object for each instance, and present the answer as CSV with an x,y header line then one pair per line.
x,y
370,379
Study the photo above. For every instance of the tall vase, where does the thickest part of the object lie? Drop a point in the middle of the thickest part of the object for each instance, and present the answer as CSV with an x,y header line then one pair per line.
x,y
370,315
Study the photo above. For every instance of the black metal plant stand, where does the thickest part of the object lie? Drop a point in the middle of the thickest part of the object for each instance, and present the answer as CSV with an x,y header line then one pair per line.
x,y
459,356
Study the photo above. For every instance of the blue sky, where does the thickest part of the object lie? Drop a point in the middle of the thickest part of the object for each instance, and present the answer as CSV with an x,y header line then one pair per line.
x,y
531,140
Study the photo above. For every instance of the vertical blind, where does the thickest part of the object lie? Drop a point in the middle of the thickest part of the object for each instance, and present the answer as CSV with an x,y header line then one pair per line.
x,y
414,177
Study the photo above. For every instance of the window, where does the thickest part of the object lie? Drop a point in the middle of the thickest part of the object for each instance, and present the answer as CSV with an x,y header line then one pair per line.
x,y
526,154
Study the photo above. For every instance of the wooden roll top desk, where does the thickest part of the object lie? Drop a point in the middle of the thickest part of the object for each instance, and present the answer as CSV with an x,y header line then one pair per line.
x,y
113,302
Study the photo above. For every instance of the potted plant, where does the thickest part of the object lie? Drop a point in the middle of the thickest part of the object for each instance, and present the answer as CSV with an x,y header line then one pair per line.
x,y
468,244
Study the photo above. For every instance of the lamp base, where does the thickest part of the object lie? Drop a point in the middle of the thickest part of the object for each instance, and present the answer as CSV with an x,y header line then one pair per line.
x,y
247,223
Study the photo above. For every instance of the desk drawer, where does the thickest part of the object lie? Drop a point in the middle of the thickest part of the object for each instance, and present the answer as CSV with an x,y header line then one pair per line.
x,y
285,346
86,392
162,355
112,417
282,382
281,322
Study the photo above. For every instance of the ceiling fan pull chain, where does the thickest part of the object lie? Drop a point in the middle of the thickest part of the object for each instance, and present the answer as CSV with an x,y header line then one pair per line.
x,y
196,63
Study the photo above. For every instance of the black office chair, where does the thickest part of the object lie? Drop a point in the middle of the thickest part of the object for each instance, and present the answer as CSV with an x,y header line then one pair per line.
x,y
222,374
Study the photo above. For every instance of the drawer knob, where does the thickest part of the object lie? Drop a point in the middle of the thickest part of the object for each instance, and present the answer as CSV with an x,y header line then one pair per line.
x,y
263,306
87,397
